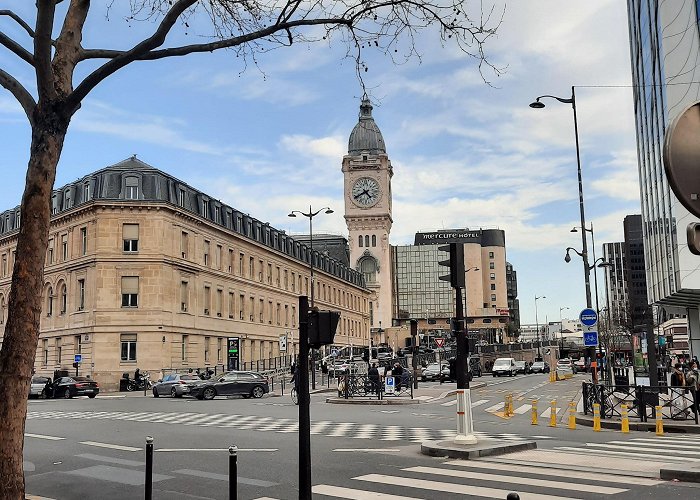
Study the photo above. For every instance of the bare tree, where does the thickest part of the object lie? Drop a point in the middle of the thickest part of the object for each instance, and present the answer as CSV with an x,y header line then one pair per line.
x,y
247,27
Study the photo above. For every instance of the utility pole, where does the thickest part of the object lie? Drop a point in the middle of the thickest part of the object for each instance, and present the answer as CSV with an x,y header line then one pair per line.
x,y
304,403
414,352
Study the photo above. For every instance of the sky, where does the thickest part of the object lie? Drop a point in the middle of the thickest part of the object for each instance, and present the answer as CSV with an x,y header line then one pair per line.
x,y
270,139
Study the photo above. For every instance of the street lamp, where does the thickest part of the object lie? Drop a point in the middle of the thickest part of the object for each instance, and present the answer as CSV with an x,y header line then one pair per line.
x,y
586,269
537,326
310,215
561,326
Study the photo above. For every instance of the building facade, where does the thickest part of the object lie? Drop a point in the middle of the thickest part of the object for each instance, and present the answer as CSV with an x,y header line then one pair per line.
x,y
513,301
616,281
145,271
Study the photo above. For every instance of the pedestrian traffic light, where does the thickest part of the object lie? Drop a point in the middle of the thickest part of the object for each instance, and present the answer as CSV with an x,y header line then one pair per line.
x,y
455,263
322,326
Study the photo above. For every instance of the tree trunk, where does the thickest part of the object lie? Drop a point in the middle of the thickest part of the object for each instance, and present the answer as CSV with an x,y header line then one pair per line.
x,y
24,306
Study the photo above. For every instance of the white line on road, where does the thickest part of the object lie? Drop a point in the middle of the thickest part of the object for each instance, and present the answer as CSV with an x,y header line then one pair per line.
x,y
449,403
479,403
111,446
41,436
171,450
523,409
338,492
495,407
368,450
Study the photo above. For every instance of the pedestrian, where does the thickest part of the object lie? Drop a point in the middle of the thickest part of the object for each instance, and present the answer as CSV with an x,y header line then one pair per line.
x,y
324,368
293,368
678,392
396,372
373,375
692,382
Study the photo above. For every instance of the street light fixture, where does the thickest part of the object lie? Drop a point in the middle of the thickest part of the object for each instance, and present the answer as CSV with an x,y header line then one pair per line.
x,y
310,215
561,326
537,326
584,254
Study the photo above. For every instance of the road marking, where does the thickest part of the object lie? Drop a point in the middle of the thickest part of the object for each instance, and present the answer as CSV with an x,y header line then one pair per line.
x,y
478,403
111,460
338,492
494,408
449,403
174,450
659,442
225,477
111,446
647,447
523,409
41,436
447,487
668,457
543,483
368,450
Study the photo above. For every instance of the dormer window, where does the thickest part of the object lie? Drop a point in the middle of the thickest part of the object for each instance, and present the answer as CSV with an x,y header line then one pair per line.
x,y
17,220
364,157
181,198
67,200
132,188
86,191
205,209
54,204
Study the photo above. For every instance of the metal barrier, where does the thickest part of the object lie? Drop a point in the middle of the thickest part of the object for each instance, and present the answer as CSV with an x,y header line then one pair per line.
x,y
354,385
677,403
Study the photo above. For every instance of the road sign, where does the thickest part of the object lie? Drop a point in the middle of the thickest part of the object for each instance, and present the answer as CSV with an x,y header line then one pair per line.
x,y
439,341
283,343
588,317
389,385
590,339
77,358
334,352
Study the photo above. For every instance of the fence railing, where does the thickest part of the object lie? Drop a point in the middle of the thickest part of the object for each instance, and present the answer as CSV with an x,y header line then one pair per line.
x,y
352,385
677,403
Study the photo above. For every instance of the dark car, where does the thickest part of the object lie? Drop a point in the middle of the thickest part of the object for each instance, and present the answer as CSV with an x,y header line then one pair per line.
x,y
522,367
174,385
70,387
539,367
244,384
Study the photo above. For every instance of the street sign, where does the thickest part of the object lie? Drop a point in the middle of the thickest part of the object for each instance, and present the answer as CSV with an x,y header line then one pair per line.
x,y
334,353
588,317
283,343
590,339
77,358
233,357
389,385
439,341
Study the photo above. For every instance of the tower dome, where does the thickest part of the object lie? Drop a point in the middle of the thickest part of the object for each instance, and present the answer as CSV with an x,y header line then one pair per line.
x,y
366,137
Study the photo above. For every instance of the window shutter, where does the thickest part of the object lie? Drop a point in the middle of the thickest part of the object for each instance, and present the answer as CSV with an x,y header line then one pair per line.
x,y
130,284
131,231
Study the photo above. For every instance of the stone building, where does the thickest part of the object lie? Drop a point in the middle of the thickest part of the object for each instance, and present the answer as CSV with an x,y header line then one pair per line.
x,y
143,270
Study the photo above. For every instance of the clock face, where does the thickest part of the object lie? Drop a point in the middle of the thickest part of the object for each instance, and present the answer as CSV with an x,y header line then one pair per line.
x,y
365,192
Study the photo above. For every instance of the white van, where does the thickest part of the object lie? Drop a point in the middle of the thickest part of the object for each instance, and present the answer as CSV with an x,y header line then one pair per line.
x,y
504,366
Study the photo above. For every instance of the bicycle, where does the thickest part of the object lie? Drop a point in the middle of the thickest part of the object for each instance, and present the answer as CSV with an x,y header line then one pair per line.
x,y
295,398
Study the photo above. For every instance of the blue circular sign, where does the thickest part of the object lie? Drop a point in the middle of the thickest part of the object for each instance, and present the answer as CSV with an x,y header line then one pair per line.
x,y
588,317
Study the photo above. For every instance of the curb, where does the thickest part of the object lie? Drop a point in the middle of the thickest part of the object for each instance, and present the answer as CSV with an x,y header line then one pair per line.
x,y
343,401
672,473
470,452
671,427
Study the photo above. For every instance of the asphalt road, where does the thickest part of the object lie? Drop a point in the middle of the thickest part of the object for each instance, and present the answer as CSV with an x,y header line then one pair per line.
x,y
83,449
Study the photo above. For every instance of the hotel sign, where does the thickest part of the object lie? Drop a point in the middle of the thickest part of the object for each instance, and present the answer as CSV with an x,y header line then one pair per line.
x,y
442,237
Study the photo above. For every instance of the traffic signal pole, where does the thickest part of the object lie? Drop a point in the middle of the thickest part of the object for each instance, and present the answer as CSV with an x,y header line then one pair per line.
x,y
303,397
465,422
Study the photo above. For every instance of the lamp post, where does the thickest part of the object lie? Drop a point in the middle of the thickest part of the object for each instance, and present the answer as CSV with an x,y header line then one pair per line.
x,y
310,215
537,326
584,254
561,326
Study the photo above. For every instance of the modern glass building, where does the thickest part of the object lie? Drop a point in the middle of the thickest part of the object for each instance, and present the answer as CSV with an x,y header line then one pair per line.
x,y
665,52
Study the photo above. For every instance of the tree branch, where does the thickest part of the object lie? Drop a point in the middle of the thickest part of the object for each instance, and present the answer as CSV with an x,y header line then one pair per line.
x,y
16,48
18,20
24,98
42,49
68,47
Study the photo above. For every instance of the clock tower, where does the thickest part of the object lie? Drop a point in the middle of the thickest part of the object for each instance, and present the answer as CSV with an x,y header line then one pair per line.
x,y
367,171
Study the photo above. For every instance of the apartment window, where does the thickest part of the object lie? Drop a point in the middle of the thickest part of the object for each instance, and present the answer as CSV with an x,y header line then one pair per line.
x,y
241,306
45,348
181,197
278,276
270,311
493,286
219,347
184,242
49,301
217,214
81,294
130,291
286,315
493,297
130,235
306,285
184,295
207,299
67,202
231,304
206,349
493,276
64,299
230,260
490,255
277,315
366,242
205,209
492,265
269,274
64,247
262,310
4,264
132,188
251,267
219,302
293,282
2,309
183,347
374,240
83,240
17,220
240,264
59,350
206,252
252,308
359,241
286,280
86,192
260,271
54,204
49,256
218,256
294,316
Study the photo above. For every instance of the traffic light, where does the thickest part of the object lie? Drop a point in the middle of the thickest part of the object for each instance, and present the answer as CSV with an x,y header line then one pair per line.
x,y
322,326
455,263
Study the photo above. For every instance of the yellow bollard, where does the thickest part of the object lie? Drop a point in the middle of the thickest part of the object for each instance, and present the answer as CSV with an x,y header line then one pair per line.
x,y
596,417
534,412
511,412
572,415
659,422
625,419
553,414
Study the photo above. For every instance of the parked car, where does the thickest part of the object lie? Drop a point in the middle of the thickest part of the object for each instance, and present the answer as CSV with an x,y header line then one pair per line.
x,y
244,384
435,371
40,387
70,387
581,365
566,363
539,367
174,385
521,367
504,366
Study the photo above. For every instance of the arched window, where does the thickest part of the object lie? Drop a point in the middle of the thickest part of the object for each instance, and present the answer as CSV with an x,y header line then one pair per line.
x,y
368,268
366,240
374,240
49,301
359,240
64,299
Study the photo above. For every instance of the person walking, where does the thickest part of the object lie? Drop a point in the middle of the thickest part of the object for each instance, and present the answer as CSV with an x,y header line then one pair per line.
x,y
373,375
692,382
678,392
396,372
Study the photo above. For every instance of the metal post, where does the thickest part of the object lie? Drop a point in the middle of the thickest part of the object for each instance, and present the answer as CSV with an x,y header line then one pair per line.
x,y
414,352
233,472
465,424
148,494
304,417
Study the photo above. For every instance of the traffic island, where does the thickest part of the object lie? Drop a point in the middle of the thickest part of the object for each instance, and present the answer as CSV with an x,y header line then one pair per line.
x,y
485,448
375,401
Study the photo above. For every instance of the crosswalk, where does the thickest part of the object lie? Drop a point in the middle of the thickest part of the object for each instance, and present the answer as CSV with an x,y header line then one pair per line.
x,y
670,449
483,479
326,428
544,408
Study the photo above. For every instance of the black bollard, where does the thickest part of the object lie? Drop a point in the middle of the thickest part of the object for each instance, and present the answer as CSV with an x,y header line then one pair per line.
x,y
149,468
233,472
513,496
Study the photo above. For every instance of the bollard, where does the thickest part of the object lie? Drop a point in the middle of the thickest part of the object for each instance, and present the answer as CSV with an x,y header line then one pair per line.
x,y
506,406
553,413
596,417
148,494
534,412
625,419
513,496
572,415
659,422
233,472
510,405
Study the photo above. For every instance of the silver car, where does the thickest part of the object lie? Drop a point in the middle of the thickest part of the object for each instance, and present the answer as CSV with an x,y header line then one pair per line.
x,y
40,387
174,385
